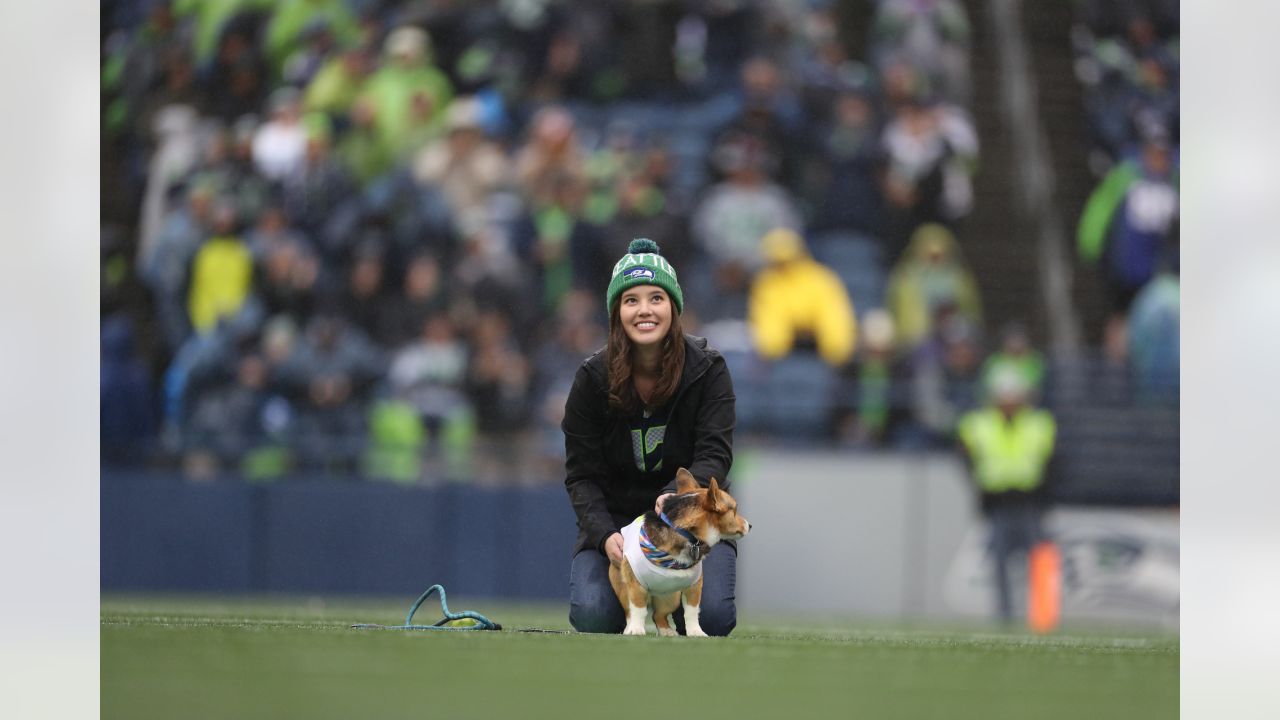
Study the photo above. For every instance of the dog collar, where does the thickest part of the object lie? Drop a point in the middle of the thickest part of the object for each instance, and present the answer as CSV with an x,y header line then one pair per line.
x,y
688,536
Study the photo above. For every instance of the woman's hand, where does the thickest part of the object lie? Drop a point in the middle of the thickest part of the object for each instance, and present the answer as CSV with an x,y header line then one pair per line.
x,y
613,548
657,504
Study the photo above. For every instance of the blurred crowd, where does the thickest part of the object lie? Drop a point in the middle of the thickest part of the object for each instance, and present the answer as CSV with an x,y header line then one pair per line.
x,y
372,238
1127,60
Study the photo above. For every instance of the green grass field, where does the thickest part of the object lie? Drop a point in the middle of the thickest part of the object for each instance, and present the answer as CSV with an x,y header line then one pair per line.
x,y
241,658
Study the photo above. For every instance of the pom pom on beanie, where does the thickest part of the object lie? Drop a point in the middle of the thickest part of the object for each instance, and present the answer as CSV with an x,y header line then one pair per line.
x,y
643,245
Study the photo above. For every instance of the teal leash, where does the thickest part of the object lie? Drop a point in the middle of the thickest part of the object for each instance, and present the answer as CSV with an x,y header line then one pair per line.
x,y
481,622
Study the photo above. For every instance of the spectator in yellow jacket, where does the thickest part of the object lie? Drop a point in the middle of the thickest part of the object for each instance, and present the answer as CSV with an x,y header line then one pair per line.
x,y
221,275
796,299
931,274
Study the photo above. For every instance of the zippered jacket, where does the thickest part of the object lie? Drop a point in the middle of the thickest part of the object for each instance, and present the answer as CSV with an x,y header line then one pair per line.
x,y
605,485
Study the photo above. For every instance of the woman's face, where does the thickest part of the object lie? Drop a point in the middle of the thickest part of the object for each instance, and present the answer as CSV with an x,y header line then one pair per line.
x,y
645,314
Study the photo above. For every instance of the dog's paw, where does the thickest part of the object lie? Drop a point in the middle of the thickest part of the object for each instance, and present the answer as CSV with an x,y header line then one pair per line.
x,y
694,631
667,632
631,630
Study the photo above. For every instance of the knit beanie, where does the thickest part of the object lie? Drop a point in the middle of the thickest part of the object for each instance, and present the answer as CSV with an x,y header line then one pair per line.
x,y
644,265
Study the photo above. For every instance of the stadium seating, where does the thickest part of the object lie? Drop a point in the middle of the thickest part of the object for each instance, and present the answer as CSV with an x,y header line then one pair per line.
x,y
1112,448
859,262
800,397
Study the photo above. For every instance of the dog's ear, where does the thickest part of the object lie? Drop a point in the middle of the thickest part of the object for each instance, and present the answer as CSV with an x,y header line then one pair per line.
x,y
685,481
714,501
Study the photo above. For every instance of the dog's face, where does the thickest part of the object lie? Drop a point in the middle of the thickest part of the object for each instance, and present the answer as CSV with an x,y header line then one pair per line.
x,y
715,516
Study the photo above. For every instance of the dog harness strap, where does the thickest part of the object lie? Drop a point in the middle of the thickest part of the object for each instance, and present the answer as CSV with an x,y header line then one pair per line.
x,y
656,579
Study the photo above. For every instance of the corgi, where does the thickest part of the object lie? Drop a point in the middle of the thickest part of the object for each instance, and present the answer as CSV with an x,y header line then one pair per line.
x,y
663,552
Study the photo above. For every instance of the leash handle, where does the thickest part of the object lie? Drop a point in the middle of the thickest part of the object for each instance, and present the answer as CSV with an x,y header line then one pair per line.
x,y
408,619
484,622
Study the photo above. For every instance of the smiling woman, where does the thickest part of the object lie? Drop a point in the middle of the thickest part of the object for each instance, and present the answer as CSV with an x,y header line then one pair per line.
x,y
651,401
645,316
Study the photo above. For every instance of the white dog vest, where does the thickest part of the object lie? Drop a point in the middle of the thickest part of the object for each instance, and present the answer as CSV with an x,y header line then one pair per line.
x,y
655,578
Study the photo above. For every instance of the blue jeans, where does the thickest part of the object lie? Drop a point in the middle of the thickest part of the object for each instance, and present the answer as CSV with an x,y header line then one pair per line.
x,y
594,608
1015,530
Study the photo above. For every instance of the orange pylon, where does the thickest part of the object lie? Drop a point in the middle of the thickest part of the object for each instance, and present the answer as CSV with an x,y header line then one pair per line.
x,y
1044,603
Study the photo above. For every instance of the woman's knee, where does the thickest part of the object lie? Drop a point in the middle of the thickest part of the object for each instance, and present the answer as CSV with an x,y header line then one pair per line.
x,y
596,615
718,619
593,607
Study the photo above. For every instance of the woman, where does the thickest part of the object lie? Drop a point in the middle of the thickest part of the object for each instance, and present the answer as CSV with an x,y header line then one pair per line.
x,y
650,402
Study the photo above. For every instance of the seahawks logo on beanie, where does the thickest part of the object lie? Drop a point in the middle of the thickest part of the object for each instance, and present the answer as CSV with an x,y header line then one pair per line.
x,y
644,265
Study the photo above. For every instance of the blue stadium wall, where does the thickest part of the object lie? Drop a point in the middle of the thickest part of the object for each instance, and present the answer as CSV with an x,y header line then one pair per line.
x,y
911,511
160,533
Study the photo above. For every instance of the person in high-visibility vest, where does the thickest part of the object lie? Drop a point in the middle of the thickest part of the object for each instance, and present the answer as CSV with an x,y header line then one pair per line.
x,y
1008,445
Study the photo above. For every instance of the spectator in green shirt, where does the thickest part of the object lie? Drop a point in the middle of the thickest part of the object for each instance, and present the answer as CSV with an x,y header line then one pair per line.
x,y
405,84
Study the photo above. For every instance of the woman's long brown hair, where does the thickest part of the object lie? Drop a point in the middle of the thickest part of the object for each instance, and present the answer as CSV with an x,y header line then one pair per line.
x,y
617,357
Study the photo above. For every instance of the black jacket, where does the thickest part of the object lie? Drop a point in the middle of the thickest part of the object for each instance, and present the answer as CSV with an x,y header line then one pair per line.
x,y
605,487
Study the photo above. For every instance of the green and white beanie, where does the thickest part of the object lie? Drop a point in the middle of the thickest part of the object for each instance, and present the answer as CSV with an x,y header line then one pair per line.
x,y
644,265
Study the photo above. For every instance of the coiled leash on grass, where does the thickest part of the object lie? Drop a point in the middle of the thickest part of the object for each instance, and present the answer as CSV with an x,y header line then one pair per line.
x,y
465,620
